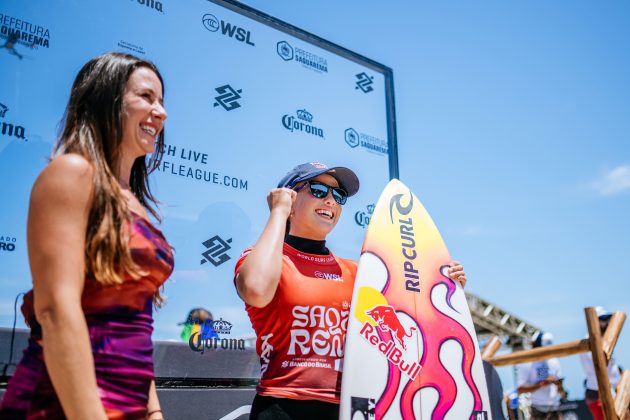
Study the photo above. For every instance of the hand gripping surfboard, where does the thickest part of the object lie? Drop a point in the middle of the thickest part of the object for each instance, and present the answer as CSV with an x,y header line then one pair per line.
x,y
411,351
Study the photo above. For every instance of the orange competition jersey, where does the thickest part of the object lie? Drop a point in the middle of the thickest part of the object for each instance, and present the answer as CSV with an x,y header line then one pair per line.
x,y
300,334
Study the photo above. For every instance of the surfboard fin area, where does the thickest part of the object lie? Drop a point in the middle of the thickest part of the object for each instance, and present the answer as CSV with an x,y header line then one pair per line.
x,y
411,351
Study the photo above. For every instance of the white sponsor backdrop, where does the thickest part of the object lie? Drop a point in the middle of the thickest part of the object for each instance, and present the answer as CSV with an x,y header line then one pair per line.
x,y
226,148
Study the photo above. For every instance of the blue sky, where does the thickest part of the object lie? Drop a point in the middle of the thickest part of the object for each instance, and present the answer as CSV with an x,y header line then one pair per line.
x,y
514,130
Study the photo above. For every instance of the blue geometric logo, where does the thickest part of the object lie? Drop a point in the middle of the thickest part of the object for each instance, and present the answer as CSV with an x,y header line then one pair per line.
x,y
351,137
285,50
364,82
228,97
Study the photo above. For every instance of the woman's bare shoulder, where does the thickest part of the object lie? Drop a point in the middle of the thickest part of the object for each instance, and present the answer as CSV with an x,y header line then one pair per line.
x,y
66,180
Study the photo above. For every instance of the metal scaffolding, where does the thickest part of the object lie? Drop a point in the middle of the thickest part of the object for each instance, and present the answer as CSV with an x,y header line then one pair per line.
x,y
491,320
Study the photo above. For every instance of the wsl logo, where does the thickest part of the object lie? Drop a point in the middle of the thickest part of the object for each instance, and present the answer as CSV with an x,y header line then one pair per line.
x,y
303,123
364,82
151,4
214,24
306,58
7,243
9,129
362,218
216,250
228,97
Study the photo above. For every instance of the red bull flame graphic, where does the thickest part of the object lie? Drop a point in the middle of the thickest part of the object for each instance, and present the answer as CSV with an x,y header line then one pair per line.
x,y
423,301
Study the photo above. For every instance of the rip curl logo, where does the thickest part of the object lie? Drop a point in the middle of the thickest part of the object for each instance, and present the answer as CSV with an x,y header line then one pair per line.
x,y
216,250
10,129
228,97
407,240
364,82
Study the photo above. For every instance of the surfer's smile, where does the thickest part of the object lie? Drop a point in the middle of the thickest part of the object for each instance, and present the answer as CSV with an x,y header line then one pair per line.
x,y
325,213
315,217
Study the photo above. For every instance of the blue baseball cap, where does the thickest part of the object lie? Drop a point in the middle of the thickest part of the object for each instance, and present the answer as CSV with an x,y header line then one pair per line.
x,y
346,178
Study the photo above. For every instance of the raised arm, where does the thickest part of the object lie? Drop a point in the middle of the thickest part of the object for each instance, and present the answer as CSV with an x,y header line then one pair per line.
x,y
258,277
57,223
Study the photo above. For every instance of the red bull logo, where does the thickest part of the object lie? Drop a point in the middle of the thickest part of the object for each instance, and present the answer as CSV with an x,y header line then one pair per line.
x,y
387,320
390,350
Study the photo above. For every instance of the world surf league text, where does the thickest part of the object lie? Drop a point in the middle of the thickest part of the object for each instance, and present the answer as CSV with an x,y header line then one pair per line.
x,y
407,241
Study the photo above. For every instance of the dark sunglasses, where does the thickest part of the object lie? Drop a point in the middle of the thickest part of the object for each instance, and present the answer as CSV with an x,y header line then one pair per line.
x,y
319,190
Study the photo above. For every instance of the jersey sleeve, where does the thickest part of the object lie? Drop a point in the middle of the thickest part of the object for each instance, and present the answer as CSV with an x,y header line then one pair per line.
x,y
239,263
241,259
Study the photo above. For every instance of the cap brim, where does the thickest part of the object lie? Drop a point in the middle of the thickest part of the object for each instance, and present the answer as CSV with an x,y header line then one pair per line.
x,y
346,178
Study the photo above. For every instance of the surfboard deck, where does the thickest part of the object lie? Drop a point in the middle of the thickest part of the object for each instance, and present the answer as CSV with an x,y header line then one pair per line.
x,y
411,350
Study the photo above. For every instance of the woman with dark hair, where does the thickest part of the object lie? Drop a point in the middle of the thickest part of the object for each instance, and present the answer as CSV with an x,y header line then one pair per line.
x,y
297,294
96,260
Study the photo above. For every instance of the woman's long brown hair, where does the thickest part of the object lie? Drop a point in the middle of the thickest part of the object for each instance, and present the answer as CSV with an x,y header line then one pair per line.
x,y
92,127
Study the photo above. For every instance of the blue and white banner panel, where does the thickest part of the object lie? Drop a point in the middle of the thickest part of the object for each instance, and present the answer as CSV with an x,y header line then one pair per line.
x,y
248,97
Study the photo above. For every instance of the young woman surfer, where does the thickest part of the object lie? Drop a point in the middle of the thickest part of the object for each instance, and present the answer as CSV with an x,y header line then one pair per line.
x,y
297,294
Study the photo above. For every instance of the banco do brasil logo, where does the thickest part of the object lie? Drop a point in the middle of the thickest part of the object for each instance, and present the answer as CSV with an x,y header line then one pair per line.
x,y
364,82
216,250
303,123
228,97
214,24
10,129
